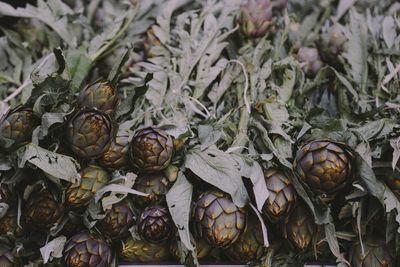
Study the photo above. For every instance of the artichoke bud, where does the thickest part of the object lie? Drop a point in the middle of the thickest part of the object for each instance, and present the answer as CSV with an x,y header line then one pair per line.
x,y
116,157
156,185
255,18
324,166
43,210
299,228
134,250
250,245
117,221
151,150
89,133
86,250
155,224
282,196
203,249
376,253
78,195
311,61
217,219
101,95
17,127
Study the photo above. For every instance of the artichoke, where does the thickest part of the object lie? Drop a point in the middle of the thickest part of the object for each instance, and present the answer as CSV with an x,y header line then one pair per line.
x,y
89,134
151,150
217,219
43,210
116,157
156,185
250,245
86,250
282,195
310,58
139,251
117,221
8,223
332,43
155,224
376,254
324,166
101,95
299,228
17,127
79,194
255,18
203,249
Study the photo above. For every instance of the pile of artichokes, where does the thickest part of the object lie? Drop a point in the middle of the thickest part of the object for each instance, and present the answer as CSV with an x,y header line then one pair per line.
x,y
320,202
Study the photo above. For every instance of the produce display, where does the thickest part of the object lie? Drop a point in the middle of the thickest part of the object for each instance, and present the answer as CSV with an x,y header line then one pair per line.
x,y
257,132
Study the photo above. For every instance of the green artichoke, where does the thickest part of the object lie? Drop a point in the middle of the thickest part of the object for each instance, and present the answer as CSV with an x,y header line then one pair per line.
x,y
43,210
139,251
79,194
89,133
117,221
376,254
282,196
217,219
151,150
156,185
17,127
116,157
324,166
250,245
203,249
101,95
155,224
255,18
86,250
310,58
299,228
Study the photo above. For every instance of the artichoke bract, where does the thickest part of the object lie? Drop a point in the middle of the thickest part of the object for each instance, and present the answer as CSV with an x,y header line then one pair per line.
x,y
89,134
250,245
299,228
155,224
217,219
134,250
17,127
376,254
282,196
116,157
156,185
151,150
255,18
324,166
43,210
79,194
203,249
101,95
117,221
86,250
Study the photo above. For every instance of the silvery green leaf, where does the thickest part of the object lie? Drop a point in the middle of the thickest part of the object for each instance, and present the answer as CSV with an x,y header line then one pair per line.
x,y
53,249
56,165
219,169
389,31
179,201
